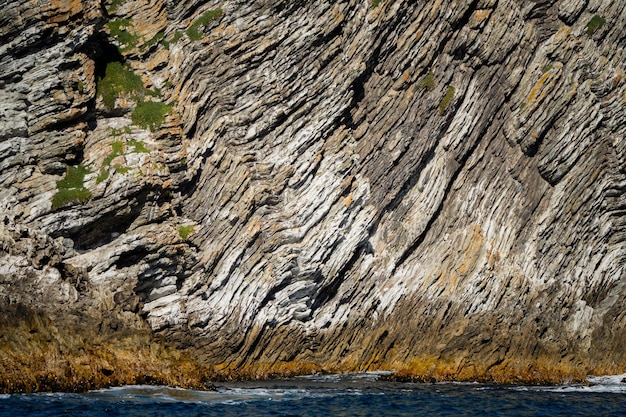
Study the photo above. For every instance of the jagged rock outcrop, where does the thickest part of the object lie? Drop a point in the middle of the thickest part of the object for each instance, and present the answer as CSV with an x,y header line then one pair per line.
x,y
281,187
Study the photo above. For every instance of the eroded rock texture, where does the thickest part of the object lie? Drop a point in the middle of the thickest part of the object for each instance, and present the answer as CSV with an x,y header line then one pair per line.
x,y
432,187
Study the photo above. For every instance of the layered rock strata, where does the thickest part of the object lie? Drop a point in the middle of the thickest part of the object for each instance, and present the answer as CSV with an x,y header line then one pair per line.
x,y
254,188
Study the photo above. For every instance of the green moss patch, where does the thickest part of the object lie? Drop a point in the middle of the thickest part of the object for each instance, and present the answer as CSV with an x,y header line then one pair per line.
x,y
119,78
428,82
112,7
154,93
176,36
185,231
117,150
595,24
138,146
376,3
446,99
103,174
120,169
155,39
71,188
121,30
193,32
150,114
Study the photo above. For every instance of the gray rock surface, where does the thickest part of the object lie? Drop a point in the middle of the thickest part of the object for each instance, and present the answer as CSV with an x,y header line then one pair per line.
x,y
436,188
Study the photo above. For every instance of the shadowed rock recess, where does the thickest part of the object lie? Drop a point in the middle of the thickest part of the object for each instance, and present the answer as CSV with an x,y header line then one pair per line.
x,y
194,190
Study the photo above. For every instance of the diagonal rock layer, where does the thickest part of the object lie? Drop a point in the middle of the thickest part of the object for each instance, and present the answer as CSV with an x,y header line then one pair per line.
x,y
196,190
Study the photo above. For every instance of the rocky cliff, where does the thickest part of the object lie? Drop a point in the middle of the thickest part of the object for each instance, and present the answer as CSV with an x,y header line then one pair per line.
x,y
195,189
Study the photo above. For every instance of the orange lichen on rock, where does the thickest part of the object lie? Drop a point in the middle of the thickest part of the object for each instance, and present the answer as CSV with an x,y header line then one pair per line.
x,y
431,369
64,9
39,355
482,14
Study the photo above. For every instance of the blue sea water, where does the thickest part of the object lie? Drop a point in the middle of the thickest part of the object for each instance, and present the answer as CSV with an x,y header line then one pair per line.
x,y
331,395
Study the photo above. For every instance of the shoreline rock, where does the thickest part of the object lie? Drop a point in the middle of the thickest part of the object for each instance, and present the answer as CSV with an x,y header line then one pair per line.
x,y
286,187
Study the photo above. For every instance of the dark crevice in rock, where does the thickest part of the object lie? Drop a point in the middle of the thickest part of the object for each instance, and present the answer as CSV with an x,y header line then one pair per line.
x,y
103,52
251,347
44,41
107,227
533,148
544,15
271,295
103,231
411,181
464,20
131,258
330,290
420,239
359,83
404,189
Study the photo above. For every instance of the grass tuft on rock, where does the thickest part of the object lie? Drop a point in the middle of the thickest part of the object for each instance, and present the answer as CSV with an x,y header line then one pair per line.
x,y
595,24
103,174
71,188
118,78
117,149
120,29
446,99
138,146
150,114
193,32
155,39
112,8
185,231
121,169
428,82
176,36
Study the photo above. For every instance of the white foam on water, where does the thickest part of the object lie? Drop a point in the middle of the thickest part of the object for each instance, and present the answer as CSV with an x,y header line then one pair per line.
x,y
363,376
605,383
615,384
618,380
152,393
589,389
223,395
5,396
374,376
265,393
321,377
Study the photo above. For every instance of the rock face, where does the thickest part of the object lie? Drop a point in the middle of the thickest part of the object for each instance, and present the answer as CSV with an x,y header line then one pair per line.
x,y
279,187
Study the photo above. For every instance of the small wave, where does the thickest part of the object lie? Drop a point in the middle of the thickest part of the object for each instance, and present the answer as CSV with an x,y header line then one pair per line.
x,y
374,376
5,396
151,393
604,383
224,395
608,380
264,392
321,377
614,384
589,389
362,376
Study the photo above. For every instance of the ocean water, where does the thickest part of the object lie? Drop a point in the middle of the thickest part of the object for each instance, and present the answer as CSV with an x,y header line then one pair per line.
x,y
331,395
